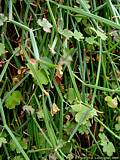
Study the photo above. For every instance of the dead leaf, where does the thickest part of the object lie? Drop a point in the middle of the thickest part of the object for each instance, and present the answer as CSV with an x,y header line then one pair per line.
x,y
87,59
54,109
22,70
45,92
33,61
58,74
45,24
101,129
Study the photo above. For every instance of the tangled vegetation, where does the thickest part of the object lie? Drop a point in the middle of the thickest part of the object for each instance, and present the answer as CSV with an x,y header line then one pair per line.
x,y
59,79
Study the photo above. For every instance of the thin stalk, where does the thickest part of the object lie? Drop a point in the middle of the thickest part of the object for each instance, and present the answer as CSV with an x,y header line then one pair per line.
x,y
51,14
10,10
87,14
97,87
95,141
98,74
74,82
78,124
109,130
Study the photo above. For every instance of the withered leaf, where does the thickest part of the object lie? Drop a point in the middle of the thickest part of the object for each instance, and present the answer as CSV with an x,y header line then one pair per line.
x,y
54,109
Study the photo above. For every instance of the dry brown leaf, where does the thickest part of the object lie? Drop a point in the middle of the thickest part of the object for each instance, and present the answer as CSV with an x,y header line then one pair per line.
x,y
33,61
22,70
54,109
58,74
101,129
45,92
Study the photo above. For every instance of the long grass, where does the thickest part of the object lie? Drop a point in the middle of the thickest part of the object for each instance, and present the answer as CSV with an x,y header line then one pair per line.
x,y
90,71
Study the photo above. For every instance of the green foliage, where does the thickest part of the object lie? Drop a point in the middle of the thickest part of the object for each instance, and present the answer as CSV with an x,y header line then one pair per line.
x,y
13,100
62,56
91,40
40,114
18,158
108,146
117,127
42,76
67,33
84,128
38,74
2,19
70,95
82,109
99,33
77,35
2,141
22,142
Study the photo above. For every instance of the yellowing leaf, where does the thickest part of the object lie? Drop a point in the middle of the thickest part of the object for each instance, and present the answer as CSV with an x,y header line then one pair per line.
x,y
54,109
45,24
111,102
28,109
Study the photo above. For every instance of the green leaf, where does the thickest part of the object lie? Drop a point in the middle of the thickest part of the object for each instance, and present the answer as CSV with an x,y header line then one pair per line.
x,y
99,34
117,127
42,76
90,40
78,35
22,142
109,148
2,19
69,127
2,49
2,141
76,107
13,100
40,114
103,138
39,75
70,95
45,24
78,18
18,158
81,109
83,129
111,102
86,2
67,33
